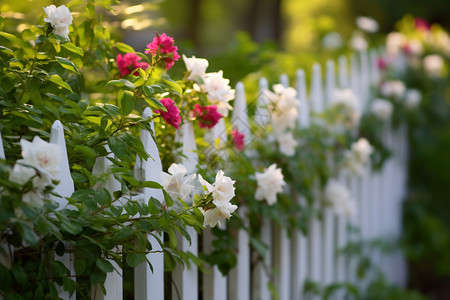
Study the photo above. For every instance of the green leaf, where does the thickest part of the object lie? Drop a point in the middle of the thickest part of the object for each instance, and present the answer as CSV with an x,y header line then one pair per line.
x,y
6,50
2,22
155,103
66,64
104,265
127,102
58,80
103,197
118,146
27,233
121,82
125,48
135,259
152,185
148,91
173,86
168,199
73,49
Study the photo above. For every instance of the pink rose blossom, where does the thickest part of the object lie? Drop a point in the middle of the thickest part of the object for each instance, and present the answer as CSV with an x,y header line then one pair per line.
x,y
421,24
207,116
381,63
238,139
130,62
172,115
164,44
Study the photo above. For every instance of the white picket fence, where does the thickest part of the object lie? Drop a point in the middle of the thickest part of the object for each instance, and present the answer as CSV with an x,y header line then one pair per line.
x,y
313,257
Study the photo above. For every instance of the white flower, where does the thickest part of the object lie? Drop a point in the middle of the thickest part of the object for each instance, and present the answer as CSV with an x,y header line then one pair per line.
x,y
393,89
332,40
348,103
433,64
215,215
382,109
367,24
412,98
43,156
222,192
287,143
219,91
414,47
284,108
339,197
60,19
269,183
362,150
394,42
177,184
358,42
196,67
222,189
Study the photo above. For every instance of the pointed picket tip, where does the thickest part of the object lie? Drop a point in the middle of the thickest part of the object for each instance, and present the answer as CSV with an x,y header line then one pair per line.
x,y
330,83
284,80
2,151
304,109
65,188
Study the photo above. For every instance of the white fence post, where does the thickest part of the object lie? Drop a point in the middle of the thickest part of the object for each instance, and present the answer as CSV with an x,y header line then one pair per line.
x,y
188,278
65,188
149,285
113,283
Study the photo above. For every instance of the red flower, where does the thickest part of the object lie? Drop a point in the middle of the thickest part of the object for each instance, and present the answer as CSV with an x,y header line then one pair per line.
x,y
207,116
168,51
130,62
421,24
172,115
381,63
238,139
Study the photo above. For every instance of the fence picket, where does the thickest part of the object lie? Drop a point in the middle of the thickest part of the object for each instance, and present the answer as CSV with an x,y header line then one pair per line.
x,y
65,188
149,284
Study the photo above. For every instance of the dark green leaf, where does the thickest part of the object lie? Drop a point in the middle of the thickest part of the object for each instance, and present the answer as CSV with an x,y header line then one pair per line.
x,y
127,102
167,199
152,185
67,64
104,265
135,259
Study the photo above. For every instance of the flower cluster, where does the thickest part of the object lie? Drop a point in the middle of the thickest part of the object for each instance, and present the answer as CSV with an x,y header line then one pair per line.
x,y
130,62
269,184
162,46
60,18
238,139
284,111
358,156
178,185
207,116
172,115
348,106
40,164
222,191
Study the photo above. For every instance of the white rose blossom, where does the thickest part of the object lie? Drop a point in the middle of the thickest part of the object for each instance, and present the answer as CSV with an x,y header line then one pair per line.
x,y
196,67
367,24
222,191
413,97
394,43
393,89
269,184
178,185
40,163
382,109
339,197
287,143
358,156
346,100
433,65
219,91
60,18
358,42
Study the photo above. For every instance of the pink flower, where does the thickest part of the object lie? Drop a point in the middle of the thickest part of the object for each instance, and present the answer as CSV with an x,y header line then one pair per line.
x,y
238,139
421,24
130,62
381,63
207,116
164,44
172,115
